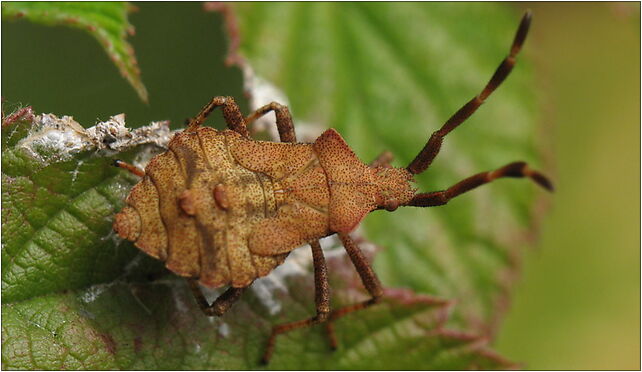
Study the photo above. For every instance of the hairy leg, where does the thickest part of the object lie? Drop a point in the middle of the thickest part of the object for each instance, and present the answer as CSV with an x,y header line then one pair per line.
x,y
221,304
369,280
231,113
322,300
283,120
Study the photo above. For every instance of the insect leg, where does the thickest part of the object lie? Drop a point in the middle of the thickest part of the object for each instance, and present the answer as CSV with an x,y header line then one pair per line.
x,y
369,280
231,113
322,300
128,167
221,304
283,120
431,149
517,169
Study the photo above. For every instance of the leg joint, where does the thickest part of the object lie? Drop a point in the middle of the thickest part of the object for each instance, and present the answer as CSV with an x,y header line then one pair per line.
x,y
214,310
275,106
322,316
376,298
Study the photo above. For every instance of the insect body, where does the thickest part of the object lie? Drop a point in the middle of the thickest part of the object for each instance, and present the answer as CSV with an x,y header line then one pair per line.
x,y
225,209
222,209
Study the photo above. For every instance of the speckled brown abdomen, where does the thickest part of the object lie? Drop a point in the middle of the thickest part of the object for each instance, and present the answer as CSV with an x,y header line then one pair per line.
x,y
213,194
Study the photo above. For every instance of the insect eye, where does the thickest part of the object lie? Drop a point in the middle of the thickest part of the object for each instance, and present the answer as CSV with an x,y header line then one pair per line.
x,y
391,205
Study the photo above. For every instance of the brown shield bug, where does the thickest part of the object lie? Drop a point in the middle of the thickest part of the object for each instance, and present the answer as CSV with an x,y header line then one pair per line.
x,y
222,209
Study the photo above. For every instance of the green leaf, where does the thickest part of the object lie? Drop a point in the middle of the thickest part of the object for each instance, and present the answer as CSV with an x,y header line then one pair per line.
x,y
75,297
157,325
106,21
386,75
59,192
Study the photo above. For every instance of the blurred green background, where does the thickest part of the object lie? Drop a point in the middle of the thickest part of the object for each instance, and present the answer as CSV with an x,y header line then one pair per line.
x,y
577,303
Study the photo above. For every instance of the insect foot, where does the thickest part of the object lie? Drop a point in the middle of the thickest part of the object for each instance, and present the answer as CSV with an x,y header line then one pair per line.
x,y
222,209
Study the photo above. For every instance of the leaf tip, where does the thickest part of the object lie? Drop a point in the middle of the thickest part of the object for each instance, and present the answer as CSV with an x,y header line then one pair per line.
x,y
232,30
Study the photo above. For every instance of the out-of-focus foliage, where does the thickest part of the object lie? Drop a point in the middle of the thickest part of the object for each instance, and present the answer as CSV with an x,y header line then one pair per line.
x,y
135,323
579,295
106,21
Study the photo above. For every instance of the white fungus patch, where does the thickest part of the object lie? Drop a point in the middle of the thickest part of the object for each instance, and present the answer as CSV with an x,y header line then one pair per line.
x,y
56,139
52,139
264,288
224,329
177,291
86,314
211,294
114,135
331,247
74,173
298,263
92,293
178,301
